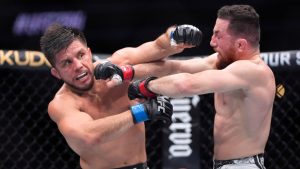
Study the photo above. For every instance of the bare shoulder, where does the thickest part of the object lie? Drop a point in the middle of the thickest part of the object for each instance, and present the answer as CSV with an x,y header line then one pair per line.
x,y
252,70
256,65
61,104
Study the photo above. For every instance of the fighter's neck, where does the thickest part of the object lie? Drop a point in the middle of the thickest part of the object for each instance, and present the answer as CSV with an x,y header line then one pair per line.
x,y
250,55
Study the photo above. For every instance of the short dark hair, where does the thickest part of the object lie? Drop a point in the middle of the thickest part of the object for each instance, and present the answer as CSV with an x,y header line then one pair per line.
x,y
58,37
244,22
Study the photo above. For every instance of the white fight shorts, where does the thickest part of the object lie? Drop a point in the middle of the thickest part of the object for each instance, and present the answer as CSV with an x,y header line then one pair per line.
x,y
256,161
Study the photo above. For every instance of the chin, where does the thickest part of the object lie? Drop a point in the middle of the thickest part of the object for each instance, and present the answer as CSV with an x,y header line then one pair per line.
x,y
89,86
84,88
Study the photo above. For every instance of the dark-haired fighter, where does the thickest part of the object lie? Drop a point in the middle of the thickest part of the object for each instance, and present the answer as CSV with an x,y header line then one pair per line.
x,y
96,118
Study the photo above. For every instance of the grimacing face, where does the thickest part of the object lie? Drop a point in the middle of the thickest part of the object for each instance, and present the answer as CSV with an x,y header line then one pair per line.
x,y
74,66
223,43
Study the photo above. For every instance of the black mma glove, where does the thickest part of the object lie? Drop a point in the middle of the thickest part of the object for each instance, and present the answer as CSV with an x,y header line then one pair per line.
x,y
108,70
159,108
139,89
186,34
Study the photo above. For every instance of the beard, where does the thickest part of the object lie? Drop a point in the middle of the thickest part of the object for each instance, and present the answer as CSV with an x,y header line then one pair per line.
x,y
222,63
226,59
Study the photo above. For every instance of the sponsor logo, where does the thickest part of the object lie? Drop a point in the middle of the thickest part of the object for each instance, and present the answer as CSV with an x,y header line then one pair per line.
x,y
181,129
281,59
23,58
280,90
31,24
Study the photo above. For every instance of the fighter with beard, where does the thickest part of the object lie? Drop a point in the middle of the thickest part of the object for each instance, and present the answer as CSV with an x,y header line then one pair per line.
x,y
243,87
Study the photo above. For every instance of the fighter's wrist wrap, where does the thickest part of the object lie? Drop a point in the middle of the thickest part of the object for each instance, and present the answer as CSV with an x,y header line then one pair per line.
x,y
139,113
172,40
128,72
143,87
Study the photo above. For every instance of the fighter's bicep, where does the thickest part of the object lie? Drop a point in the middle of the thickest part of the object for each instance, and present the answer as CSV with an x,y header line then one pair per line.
x,y
233,80
236,76
67,114
73,126
197,64
123,56
192,65
214,81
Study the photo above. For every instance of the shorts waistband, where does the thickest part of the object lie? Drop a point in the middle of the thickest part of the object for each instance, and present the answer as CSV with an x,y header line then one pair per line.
x,y
135,166
257,159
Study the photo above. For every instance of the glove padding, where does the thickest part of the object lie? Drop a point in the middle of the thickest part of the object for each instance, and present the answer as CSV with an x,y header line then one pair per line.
x,y
139,89
107,70
186,34
159,108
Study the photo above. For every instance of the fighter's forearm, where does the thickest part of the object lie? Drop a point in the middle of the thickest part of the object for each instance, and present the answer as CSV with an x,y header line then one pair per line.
x,y
161,47
155,50
163,42
172,66
172,86
156,69
109,128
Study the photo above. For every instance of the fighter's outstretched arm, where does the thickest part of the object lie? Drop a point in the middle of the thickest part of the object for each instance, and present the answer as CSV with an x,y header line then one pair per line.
x,y
173,66
184,36
174,40
234,77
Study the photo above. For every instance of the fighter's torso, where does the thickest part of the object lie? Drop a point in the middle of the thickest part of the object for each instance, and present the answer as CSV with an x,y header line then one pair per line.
x,y
127,149
242,121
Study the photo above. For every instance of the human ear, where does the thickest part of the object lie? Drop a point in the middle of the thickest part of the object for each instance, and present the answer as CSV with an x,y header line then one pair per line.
x,y
55,73
241,44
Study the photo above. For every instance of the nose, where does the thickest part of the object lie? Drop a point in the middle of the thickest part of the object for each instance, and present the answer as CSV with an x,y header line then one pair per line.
x,y
77,64
213,41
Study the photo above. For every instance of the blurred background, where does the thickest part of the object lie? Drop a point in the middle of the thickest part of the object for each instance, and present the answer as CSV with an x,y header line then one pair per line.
x,y
111,25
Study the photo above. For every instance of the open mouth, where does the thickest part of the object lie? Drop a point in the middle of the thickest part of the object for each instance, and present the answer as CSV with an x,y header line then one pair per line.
x,y
82,75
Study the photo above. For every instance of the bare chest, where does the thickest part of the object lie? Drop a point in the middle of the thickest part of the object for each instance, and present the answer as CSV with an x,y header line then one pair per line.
x,y
105,103
229,102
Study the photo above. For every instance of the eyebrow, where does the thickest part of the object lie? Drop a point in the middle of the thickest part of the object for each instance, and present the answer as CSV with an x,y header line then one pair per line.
x,y
64,60
80,51
216,32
